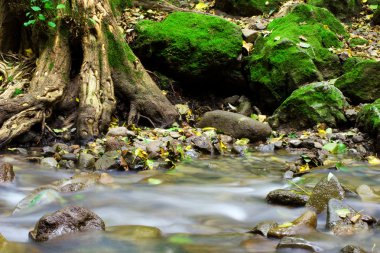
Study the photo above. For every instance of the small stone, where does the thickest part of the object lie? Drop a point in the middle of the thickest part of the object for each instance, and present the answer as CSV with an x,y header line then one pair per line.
x,y
263,228
352,249
6,173
238,149
318,145
48,151
358,138
107,161
69,157
266,148
201,143
49,162
298,243
288,174
67,164
260,26
295,143
86,161
70,219
277,144
175,135
250,35
287,197
120,131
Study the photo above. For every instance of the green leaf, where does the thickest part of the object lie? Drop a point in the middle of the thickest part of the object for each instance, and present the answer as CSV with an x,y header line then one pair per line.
x,y
52,24
41,17
48,5
35,8
335,148
180,239
30,22
28,14
60,6
17,92
154,181
92,21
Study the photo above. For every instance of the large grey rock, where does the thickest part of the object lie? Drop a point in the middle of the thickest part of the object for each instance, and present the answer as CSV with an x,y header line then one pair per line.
x,y
326,189
70,219
6,173
236,125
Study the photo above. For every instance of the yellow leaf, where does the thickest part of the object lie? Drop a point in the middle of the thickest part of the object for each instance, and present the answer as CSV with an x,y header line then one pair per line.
x,y
286,225
209,129
322,133
304,168
141,153
201,6
373,160
29,52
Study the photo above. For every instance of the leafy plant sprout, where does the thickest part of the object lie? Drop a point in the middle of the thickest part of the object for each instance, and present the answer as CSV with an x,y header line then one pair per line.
x,y
44,12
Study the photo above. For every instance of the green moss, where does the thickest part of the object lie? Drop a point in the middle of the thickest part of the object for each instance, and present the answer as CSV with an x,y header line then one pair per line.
x,y
369,118
357,42
342,9
188,44
118,51
361,84
296,52
350,63
311,104
248,7
120,5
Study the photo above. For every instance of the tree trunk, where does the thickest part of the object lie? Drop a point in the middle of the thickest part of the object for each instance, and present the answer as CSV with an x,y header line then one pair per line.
x,y
104,61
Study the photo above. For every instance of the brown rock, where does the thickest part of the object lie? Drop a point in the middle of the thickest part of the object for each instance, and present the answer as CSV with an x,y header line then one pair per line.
x,y
6,173
304,224
70,219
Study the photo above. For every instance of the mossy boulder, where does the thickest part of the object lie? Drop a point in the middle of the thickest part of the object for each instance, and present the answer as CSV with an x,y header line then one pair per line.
x,y
341,8
314,103
361,84
351,62
189,46
248,7
369,118
296,52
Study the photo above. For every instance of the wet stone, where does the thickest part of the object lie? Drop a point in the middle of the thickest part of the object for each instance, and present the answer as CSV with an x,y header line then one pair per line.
x,y
6,173
70,157
295,143
48,151
304,224
352,249
86,161
298,243
70,219
49,162
201,143
287,197
326,189
263,228
66,164
288,174
108,161
135,232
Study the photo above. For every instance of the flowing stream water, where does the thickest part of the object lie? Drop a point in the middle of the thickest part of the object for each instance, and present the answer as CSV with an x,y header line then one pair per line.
x,y
205,205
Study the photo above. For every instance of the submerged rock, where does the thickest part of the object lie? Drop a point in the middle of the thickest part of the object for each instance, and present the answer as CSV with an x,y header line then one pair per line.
x,y
367,194
263,228
326,189
298,243
296,52
189,46
287,197
248,7
304,224
309,105
236,125
134,232
352,249
39,197
70,219
361,84
6,173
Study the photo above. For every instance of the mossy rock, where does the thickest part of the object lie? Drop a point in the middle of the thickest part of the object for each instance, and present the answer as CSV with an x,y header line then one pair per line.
x,y
314,103
376,17
296,52
189,46
369,118
248,7
341,8
350,63
354,42
361,84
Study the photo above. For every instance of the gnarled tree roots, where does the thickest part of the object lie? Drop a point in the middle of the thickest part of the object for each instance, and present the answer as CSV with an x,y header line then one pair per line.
x,y
56,85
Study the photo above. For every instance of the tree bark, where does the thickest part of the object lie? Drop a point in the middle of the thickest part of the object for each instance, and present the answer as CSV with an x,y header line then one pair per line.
x,y
107,61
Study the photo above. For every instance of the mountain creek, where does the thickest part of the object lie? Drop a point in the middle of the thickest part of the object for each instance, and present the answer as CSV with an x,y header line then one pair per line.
x,y
204,205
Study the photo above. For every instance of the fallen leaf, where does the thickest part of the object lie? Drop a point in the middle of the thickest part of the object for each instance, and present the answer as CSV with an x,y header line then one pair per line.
x,y
343,212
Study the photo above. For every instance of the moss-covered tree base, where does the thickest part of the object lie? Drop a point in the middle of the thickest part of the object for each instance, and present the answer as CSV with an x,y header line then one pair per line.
x,y
99,63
